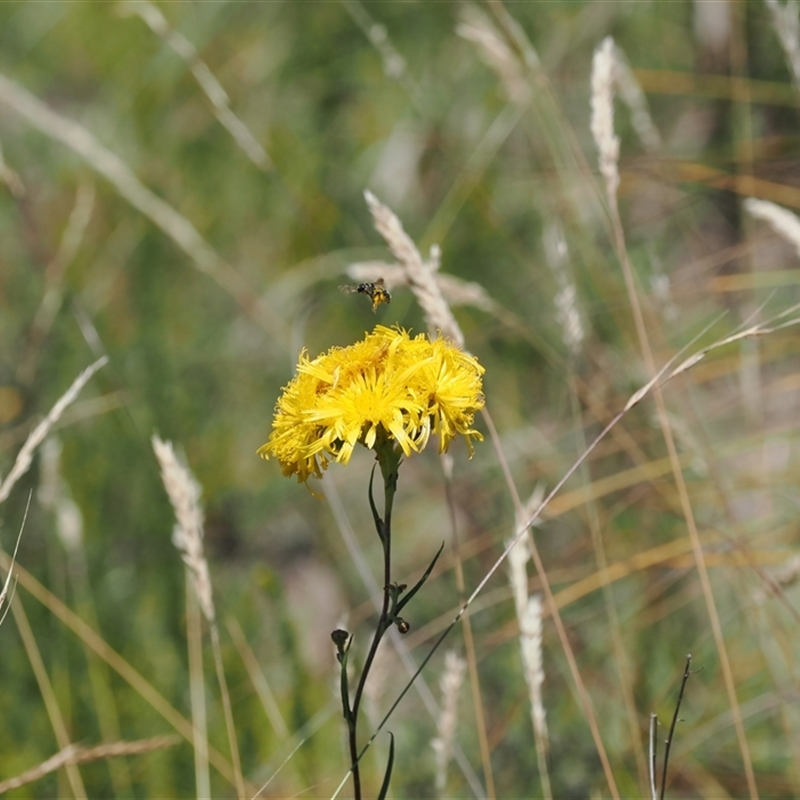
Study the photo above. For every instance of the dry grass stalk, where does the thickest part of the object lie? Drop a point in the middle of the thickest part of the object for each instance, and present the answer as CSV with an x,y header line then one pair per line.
x,y
783,577
476,27
419,274
781,220
100,647
4,592
394,65
602,123
529,616
160,213
209,85
56,719
38,434
565,300
569,319
184,494
789,573
197,693
257,678
450,683
786,20
481,728
5,600
665,374
531,643
74,754
632,95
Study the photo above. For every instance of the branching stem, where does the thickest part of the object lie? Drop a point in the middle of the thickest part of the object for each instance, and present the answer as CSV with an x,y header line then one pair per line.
x,y
389,461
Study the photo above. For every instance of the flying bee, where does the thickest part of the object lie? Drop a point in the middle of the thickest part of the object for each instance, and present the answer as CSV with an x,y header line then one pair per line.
x,y
377,292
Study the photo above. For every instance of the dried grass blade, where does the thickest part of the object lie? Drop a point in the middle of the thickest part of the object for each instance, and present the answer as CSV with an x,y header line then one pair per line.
x,y
209,85
38,434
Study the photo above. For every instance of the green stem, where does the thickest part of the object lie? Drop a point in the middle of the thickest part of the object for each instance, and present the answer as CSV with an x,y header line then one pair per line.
x,y
389,461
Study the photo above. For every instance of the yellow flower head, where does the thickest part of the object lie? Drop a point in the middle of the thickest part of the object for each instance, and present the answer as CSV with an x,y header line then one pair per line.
x,y
389,385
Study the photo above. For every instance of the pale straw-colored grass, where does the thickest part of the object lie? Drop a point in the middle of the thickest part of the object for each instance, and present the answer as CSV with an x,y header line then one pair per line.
x,y
450,683
784,222
115,661
602,120
566,299
55,716
632,95
184,494
529,617
469,640
607,143
39,433
7,592
418,272
257,677
569,318
475,26
786,21
74,754
434,307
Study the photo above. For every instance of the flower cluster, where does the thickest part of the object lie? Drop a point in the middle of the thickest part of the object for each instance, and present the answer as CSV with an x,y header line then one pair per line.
x,y
387,386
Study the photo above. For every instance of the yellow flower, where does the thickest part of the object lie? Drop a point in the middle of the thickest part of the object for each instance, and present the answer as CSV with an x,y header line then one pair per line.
x,y
388,386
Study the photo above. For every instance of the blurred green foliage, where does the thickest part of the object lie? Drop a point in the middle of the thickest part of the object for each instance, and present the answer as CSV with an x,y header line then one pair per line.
x,y
436,136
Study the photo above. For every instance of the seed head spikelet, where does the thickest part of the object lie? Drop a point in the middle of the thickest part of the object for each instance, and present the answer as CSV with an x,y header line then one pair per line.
x,y
419,273
783,222
786,21
602,124
447,724
184,495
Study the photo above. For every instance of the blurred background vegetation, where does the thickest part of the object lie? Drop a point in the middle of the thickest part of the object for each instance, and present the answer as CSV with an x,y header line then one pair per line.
x,y
203,304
